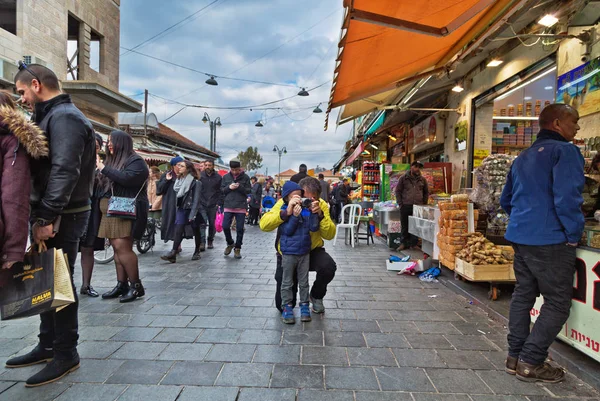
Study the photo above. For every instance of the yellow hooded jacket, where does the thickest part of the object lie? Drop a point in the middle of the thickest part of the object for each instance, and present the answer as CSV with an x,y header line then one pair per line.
x,y
272,220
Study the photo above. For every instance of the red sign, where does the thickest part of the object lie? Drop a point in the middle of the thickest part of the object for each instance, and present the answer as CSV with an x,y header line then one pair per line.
x,y
359,149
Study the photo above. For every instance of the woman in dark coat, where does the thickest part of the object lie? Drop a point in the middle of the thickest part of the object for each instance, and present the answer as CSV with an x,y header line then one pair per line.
x,y
187,189
164,187
125,175
255,201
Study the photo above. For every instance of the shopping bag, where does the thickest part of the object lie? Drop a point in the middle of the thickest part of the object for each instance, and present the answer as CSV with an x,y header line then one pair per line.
x,y
219,221
40,284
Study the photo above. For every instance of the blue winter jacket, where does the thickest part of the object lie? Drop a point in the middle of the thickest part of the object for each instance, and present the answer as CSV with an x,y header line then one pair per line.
x,y
543,193
295,233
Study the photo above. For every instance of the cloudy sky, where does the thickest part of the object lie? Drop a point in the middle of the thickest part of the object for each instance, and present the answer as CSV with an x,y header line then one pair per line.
x,y
289,43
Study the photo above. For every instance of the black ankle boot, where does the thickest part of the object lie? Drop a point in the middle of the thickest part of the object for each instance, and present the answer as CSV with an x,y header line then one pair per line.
x,y
120,289
38,355
55,370
170,257
135,291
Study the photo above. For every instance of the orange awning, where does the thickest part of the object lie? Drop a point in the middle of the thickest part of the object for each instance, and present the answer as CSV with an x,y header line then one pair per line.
x,y
386,41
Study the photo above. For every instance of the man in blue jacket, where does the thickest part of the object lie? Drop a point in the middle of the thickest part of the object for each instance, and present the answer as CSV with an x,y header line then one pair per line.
x,y
543,196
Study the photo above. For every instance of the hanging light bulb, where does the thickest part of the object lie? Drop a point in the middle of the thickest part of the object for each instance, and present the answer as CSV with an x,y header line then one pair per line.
x,y
204,119
458,88
259,124
212,81
317,109
303,92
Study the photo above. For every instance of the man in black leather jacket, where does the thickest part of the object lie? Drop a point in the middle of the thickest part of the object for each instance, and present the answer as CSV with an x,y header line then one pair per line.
x,y
235,187
60,208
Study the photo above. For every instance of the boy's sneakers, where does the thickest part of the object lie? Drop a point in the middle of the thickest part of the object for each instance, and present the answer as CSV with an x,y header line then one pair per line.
x,y
287,316
305,312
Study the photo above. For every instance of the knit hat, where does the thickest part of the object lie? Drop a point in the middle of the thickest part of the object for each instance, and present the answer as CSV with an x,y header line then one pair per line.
x,y
290,187
176,160
235,163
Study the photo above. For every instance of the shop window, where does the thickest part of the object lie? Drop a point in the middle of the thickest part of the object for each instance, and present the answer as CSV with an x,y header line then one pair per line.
x,y
73,49
8,15
95,51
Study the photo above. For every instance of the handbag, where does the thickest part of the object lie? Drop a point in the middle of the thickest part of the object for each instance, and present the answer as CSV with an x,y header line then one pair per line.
x,y
123,207
41,284
219,221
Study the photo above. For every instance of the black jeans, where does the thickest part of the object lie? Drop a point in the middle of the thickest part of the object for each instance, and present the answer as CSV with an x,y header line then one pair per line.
x,y
239,228
408,240
59,330
320,262
547,270
211,212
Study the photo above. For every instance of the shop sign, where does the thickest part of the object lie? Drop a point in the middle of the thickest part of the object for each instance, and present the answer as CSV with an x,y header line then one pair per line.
x,y
582,329
580,88
359,149
427,134
479,155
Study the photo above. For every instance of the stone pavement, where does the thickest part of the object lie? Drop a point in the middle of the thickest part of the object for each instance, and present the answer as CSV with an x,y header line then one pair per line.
x,y
209,331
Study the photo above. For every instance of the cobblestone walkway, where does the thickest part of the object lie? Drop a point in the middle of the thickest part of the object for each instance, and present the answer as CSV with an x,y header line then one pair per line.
x,y
209,331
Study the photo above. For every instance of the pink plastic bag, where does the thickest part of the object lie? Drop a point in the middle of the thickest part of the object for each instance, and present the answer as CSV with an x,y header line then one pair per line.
x,y
219,221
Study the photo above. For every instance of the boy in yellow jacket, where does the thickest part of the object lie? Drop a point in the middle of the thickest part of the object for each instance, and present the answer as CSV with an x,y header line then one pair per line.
x,y
320,261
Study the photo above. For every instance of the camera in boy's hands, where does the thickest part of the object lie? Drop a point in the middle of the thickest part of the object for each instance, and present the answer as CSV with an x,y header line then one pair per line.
x,y
306,203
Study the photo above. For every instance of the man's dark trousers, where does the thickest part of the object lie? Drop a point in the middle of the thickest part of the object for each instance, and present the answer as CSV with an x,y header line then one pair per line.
x,y
547,270
320,262
407,239
59,330
212,216
240,219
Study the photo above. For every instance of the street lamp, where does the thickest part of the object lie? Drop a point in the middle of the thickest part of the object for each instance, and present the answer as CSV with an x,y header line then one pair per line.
x,y
213,130
281,152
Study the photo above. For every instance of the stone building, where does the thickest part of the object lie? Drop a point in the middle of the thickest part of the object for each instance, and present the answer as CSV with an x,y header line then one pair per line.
x,y
79,40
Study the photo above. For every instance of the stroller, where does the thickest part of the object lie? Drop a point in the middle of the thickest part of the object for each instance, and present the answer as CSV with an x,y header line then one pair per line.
x,y
267,204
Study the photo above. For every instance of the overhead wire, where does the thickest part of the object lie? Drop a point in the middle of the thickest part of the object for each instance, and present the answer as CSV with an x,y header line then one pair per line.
x,y
169,28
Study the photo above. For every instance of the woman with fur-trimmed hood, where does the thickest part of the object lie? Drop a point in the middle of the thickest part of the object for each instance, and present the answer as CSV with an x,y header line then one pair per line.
x,y
20,140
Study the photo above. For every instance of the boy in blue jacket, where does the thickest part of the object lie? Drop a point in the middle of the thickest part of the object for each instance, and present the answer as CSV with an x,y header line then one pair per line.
x,y
295,244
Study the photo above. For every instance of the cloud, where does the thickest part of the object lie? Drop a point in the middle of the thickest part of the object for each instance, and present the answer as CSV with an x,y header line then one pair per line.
x,y
224,39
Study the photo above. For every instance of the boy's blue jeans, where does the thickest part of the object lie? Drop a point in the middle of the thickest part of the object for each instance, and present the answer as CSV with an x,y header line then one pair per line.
x,y
299,264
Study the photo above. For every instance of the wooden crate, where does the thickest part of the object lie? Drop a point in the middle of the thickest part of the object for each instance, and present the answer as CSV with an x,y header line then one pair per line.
x,y
491,273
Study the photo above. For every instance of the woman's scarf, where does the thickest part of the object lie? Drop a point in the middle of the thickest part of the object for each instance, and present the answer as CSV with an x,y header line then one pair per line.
x,y
182,185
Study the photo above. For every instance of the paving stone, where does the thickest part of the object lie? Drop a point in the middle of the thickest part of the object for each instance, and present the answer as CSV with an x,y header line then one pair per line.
x,y
140,372
465,359
405,379
99,333
377,314
171,321
272,337
303,338
444,397
277,324
436,328
325,395
341,313
247,323
386,340
471,342
345,339
571,387
226,302
137,334
139,350
501,383
92,392
458,381
178,335
267,394
360,326
200,311
428,341
258,302
220,336
511,398
324,356
235,311
371,357
287,376
287,354
93,371
206,322
350,378
97,319
166,310
98,349
209,393
138,392
6,385
382,396
135,320
9,347
322,323
20,374
19,392
185,352
193,374
398,327
245,375
231,353
419,358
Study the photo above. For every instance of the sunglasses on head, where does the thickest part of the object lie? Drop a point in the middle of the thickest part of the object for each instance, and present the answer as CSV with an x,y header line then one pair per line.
x,y
22,66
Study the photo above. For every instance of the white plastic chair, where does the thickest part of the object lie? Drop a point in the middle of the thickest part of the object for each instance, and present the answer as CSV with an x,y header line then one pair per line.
x,y
354,213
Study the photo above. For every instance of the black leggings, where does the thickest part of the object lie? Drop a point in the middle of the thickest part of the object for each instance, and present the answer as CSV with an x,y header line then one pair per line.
x,y
180,230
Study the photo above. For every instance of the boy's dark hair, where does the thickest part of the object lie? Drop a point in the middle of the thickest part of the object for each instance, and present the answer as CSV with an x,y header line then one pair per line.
x,y
47,77
321,176
303,168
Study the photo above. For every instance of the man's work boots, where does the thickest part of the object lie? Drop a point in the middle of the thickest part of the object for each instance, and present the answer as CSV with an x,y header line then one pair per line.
x,y
37,355
543,372
511,365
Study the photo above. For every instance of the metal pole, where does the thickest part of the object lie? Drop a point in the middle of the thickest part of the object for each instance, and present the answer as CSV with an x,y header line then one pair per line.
x,y
279,176
145,111
214,149
210,125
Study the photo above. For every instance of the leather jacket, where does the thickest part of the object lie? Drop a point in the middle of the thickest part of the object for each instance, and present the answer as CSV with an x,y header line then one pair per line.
x,y
191,200
63,182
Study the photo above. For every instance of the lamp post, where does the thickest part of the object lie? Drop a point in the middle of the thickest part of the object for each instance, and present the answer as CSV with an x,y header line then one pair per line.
x,y
213,130
281,152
